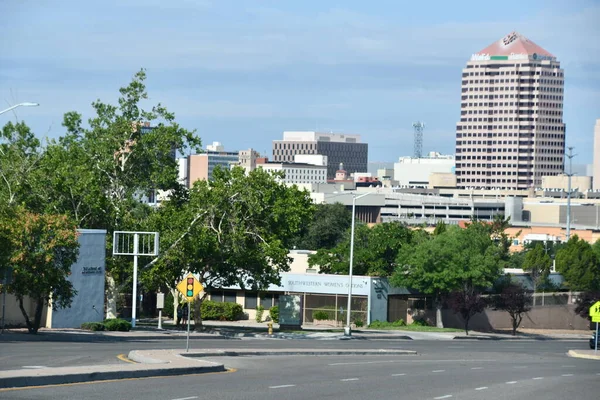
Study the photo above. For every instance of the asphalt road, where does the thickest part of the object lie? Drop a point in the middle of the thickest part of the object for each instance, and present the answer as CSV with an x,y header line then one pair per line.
x,y
442,370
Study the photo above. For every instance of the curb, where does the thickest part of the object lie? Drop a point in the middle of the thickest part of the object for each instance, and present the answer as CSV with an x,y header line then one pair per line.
x,y
586,354
540,339
298,352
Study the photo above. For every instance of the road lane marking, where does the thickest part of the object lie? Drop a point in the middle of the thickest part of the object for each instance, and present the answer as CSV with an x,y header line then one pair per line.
x,y
349,379
280,386
567,366
398,374
123,357
538,378
456,347
439,370
511,382
33,366
407,361
567,374
186,398
477,368
446,396
481,388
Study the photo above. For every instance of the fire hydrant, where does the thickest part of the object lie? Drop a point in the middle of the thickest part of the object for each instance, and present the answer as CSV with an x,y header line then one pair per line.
x,y
270,325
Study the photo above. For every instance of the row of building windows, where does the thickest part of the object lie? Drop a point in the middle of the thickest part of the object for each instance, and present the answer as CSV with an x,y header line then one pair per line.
x,y
532,96
512,88
523,81
513,72
295,146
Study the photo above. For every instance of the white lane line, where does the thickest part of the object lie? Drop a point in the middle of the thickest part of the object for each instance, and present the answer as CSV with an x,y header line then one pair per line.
x,y
447,396
567,366
408,361
538,378
477,368
186,398
348,379
33,366
278,387
398,374
481,388
567,375
511,382
439,370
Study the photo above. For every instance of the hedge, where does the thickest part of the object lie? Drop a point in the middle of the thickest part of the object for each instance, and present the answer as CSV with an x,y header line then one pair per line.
x,y
93,326
212,310
117,324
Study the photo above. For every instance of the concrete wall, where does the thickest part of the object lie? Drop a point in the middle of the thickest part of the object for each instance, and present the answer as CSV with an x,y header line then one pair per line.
x,y
87,276
542,317
583,183
13,316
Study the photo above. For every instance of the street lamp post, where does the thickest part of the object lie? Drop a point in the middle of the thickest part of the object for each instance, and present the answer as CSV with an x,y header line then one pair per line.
x,y
570,155
348,329
26,104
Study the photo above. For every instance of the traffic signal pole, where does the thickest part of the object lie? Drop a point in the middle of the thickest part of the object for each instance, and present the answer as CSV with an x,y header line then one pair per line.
x,y
187,340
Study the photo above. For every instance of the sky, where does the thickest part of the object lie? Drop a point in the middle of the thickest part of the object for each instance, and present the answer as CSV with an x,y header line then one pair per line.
x,y
242,72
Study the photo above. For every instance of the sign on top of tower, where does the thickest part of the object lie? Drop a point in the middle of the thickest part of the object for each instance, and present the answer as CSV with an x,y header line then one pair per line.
x,y
513,46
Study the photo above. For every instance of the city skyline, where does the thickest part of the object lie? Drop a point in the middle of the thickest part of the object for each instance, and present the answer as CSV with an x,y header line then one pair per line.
x,y
242,73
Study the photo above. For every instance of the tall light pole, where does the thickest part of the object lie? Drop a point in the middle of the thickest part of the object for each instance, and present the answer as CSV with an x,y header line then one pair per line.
x,y
348,329
570,155
19,105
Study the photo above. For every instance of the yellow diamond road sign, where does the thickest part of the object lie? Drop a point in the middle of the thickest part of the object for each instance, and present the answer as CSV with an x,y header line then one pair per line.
x,y
595,310
189,287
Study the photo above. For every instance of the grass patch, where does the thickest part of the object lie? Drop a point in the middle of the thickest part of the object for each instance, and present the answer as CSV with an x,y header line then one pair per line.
x,y
417,326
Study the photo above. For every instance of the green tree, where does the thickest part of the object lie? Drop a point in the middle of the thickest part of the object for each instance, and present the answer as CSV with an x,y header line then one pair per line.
x,y
375,250
579,265
538,263
233,230
450,261
41,250
327,229
20,153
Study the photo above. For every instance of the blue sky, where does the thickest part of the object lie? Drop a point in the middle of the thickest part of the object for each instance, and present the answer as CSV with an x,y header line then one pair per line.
x,y
242,72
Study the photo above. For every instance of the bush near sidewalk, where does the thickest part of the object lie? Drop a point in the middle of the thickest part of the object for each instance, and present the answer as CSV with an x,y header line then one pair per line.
x,y
212,310
113,324
274,313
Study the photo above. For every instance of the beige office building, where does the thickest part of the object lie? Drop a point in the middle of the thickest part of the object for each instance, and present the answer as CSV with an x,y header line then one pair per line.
x,y
511,131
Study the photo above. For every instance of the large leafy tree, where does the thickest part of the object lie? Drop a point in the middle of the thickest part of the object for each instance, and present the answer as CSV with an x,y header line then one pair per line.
x,y
234,230
579,264
40,249
20,153
450,261
538,263
375,250
327,228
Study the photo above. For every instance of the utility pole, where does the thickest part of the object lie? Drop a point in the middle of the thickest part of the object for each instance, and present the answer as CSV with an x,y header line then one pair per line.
x,y
570,155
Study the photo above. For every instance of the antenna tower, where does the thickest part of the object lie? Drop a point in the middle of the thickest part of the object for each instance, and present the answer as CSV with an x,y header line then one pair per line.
x,y
418,129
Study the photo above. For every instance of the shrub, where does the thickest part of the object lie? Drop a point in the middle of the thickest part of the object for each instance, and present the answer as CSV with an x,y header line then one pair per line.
x,y
168,310
117,324
384,324
274,313
93,326
260,310
359,323
212,310
320,315
420,322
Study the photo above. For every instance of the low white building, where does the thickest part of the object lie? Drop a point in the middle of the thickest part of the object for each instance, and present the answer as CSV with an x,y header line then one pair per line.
x,y
313,159
296,173
416,171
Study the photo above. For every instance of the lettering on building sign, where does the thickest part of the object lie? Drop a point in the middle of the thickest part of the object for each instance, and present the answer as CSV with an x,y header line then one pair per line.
x,y
508,39
514,56
480,57
91,270
317,284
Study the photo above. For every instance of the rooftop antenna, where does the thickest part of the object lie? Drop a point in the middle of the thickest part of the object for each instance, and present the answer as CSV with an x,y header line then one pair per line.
x,y
418,129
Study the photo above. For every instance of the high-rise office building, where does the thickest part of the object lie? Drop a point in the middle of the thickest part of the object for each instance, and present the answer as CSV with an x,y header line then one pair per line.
x,y
511,131
339,149
596,165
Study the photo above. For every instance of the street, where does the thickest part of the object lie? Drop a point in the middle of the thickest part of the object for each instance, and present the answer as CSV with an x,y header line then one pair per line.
x,y
463,369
